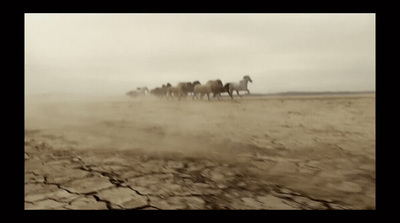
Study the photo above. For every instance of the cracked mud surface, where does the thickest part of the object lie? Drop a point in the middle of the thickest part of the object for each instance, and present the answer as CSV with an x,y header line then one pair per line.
x,y
133,180
300,165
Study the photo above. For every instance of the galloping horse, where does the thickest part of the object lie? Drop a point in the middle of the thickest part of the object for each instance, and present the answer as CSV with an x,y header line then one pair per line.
x,y
178,91
190,86
216,87
142,90
139,91
160,91
239,86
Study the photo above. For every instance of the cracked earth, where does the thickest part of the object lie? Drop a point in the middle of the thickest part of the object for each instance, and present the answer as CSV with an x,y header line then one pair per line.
x,y
65,179
311,159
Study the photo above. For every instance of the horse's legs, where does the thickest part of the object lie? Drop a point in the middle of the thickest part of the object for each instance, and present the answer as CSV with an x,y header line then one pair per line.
x,y
230,93
208,96
218,95
237,92
248,92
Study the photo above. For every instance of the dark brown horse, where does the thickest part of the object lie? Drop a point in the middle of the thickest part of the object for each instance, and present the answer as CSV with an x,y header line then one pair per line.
x,y
217,88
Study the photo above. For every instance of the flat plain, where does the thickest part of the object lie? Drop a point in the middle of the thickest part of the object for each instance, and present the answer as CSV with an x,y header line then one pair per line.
x,y
266,152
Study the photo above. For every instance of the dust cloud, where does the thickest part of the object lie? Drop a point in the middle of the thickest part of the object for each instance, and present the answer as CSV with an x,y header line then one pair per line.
x,y
146,123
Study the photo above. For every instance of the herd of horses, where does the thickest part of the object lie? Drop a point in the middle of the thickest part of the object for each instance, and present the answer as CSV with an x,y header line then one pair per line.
x,y
183,89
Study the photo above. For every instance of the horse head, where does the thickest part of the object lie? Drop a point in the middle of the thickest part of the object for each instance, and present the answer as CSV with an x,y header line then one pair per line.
x,y
196,83
247,77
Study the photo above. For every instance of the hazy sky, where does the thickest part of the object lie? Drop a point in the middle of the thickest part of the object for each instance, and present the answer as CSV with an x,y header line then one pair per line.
x,y
114,53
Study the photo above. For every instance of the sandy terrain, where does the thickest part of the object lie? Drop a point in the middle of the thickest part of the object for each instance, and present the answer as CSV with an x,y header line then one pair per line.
x,y
281,152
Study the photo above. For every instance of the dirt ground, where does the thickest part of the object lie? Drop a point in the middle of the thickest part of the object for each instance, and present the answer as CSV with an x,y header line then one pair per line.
x,y
148,153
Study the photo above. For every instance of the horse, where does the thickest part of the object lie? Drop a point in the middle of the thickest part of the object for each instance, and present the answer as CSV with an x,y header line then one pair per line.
x,y
189,88
139,91
239,86
156,91
132,93
179,90
142,90
226,88
202,89
213,86
217,88
160,92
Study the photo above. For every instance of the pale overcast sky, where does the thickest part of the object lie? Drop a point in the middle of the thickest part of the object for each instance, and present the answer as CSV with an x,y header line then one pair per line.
x,y
114,53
